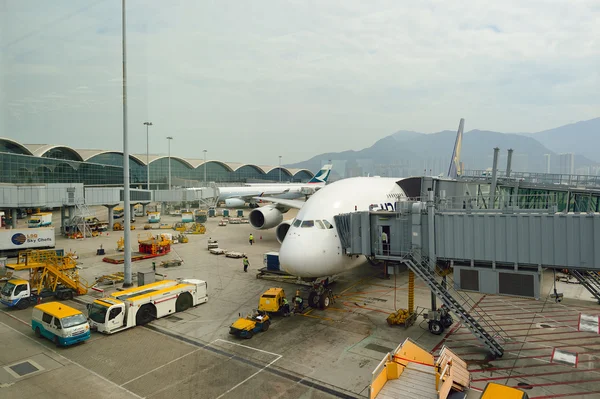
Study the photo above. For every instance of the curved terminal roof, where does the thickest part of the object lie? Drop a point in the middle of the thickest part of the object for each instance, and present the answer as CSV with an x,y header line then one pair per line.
x,y
84,155
24,150
40,150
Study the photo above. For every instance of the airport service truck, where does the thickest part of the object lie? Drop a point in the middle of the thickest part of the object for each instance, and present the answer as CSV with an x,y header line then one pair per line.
x,y
43,219
15,240
140,305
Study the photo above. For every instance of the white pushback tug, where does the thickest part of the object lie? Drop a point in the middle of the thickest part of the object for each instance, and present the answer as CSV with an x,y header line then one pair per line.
x,y
140,305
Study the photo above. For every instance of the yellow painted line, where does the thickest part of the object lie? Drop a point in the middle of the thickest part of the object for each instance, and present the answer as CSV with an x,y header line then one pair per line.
x,y
307,313
317,317
354,285
339,310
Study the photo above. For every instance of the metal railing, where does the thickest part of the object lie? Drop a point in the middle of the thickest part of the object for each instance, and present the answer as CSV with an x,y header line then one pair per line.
x,y
588,181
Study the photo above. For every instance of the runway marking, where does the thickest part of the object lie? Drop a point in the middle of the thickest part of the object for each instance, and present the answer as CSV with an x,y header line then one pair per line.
x,y
66,358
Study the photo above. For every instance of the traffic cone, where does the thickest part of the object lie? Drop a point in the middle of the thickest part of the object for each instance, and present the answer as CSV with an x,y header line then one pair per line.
x,y
261,237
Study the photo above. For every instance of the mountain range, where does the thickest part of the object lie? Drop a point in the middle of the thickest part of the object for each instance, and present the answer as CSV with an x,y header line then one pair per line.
x,y
409,153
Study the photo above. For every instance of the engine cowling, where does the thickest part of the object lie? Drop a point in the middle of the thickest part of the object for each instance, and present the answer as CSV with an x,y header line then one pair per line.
x,y
282,230
234,202
265,217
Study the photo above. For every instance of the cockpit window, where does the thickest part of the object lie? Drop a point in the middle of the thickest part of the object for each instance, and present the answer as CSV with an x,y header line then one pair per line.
x,y
327,224
308,223
319,224
297,223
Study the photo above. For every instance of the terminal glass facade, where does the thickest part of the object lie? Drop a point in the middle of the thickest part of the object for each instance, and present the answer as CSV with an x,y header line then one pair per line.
x,y
60,164
62,153
137,170
274,175
26,169
247,172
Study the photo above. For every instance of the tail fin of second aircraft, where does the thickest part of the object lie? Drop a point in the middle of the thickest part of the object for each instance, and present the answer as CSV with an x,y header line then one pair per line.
x,y
322,175
454,169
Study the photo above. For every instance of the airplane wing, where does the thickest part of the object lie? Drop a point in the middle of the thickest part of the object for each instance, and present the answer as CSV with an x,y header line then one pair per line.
x,y
284,202
261,195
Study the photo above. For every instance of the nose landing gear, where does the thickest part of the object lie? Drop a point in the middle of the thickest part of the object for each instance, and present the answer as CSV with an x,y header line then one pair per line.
x,y
320,295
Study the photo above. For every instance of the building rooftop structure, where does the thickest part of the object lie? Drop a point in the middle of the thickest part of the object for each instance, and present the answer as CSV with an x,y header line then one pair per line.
x,y
49,163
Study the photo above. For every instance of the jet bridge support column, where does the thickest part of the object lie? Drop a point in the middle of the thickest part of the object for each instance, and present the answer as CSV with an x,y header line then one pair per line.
x,y
492,200
13,218
509,162
111,219
431,239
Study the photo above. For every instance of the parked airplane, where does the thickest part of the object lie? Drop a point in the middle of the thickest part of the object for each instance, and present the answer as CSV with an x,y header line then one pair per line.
x,y
235,197
310,246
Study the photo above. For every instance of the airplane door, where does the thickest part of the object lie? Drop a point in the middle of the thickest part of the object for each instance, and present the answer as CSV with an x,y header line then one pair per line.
x,y
384,237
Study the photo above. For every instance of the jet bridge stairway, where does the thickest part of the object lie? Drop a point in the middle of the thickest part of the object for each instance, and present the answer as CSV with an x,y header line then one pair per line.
x,y
481,327
590,280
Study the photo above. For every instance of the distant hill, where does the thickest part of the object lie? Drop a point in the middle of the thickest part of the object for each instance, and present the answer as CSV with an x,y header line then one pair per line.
x,y
581,138
407,153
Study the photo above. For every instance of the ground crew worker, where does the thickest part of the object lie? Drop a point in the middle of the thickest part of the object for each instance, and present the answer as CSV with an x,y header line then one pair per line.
x,y
246,263
251,239
286,307
384,243
298,302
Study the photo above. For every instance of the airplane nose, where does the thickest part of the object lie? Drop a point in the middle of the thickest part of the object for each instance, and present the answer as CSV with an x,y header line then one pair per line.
x,y
304,256
292,257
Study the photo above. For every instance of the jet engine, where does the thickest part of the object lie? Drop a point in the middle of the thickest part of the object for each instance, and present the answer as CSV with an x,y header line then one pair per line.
x,y
265,217
282,230
234,202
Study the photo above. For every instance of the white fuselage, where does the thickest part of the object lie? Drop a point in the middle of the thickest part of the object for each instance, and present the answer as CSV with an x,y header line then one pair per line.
x,y
317,252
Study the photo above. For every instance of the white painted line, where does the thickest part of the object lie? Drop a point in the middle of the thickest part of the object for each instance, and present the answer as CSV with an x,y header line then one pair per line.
x,y
247,379
160,367
247,347
69,360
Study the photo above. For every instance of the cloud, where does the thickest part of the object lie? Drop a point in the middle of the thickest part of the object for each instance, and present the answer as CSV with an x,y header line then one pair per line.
x,y
282,76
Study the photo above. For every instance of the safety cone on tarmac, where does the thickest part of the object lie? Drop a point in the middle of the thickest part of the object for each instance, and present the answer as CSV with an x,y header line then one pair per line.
x,y
261,237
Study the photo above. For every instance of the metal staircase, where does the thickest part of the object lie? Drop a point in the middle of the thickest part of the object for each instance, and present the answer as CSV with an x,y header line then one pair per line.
x,y
590,280
480,326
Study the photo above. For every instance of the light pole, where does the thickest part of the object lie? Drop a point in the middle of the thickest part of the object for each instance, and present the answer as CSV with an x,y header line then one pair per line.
x,y
169,138
127,281
204,151
280,169
147,155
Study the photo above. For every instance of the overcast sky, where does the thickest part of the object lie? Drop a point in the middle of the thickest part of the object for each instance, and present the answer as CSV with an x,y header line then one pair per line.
x,y
251,80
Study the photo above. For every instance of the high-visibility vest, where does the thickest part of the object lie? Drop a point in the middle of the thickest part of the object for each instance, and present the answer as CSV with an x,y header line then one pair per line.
x,y
246,262
384,236
251,237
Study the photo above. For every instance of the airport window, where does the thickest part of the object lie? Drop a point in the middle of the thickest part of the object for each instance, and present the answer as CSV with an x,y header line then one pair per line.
x,y
327,224
46,318
308,223
297,223
320,224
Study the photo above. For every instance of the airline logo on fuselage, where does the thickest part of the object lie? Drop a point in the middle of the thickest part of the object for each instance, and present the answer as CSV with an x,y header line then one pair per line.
x,y
388,206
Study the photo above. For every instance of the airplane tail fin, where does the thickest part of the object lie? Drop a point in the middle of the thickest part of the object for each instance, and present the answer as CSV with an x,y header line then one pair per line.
x,y
322,175
454,170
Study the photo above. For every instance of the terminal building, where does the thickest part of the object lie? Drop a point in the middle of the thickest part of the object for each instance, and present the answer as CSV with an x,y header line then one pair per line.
x,y
47,163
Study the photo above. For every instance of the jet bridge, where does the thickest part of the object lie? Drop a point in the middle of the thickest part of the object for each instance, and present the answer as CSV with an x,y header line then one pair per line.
x,y
496,251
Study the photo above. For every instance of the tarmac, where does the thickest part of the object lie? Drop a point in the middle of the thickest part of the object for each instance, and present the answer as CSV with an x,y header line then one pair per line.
x,y
320,354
